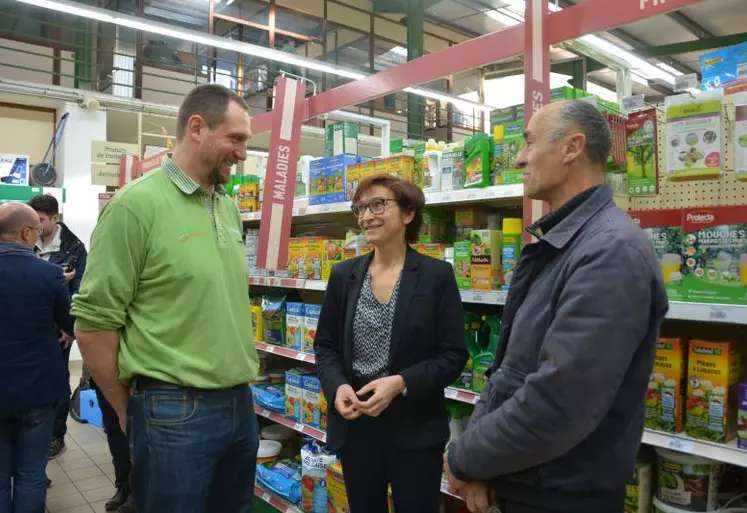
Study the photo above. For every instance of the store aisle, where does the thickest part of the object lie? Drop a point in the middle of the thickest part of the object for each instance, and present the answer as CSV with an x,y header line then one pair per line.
x,y
83,476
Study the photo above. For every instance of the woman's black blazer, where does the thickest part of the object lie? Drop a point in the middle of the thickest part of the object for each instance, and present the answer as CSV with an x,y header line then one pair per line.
x,y
428,347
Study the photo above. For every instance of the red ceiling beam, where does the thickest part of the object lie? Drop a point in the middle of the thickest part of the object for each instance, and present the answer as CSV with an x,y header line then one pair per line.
x,y
585,18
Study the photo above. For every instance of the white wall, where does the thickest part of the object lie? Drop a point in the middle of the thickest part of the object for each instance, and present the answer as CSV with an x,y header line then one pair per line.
x,y
74,161
34,63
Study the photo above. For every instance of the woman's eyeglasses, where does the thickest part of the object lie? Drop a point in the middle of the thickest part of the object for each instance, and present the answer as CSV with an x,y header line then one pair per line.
x,y
376,206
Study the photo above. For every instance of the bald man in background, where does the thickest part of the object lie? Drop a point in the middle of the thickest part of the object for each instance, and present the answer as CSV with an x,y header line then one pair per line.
x,y
34,307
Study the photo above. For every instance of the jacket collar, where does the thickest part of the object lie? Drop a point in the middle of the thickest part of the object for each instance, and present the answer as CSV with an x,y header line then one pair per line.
x,y
14,248
566,229
412,261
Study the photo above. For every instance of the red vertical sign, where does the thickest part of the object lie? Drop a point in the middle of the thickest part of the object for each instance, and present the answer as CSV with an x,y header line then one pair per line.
x,y
280,178
537,84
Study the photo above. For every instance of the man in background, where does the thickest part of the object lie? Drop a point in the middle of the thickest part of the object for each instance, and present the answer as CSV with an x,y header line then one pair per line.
x,y
34,309
161,318
558,426
58,245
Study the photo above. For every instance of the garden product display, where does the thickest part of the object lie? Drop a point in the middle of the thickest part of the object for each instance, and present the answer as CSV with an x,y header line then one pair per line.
x,y
686,481
642,148
665,400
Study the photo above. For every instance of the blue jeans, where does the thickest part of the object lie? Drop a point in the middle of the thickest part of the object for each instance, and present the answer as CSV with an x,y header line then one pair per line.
x,y
24,448
193,451
63,407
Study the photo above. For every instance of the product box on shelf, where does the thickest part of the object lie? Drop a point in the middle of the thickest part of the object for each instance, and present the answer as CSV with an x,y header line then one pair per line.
x,y
294,393
294,325
365,169
337,497
313,249
380,167
485,263
467,219
714,371
642,153
341,137
664,229
715,255
512,143
14,169
314,403
462,264
742,415
336,169
310,322
401,166
452,169
295,258
331,256
400,145
638,491
432,250
665,399
352,179
318,181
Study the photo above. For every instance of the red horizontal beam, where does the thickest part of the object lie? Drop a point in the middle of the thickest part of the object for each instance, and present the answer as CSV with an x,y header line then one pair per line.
x,y
585,18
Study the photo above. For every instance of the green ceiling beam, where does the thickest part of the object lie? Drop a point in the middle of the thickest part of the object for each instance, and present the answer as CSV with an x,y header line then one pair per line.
x,y
693,46
401,6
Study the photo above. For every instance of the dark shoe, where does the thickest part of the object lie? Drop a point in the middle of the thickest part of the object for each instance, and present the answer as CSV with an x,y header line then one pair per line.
x,y
119,498
56,448
129,506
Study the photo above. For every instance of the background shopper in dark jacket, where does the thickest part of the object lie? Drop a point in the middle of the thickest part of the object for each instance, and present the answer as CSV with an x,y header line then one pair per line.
x,y
58,245
34,307
559,423
390,339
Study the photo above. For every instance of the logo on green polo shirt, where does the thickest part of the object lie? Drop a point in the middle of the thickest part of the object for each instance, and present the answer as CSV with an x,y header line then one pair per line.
x,y
188,233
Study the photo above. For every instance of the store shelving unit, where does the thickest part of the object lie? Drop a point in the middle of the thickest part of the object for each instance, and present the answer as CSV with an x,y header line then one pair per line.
x,y
727,453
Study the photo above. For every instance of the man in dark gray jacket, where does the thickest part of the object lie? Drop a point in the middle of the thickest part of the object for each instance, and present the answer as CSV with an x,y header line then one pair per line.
x,y
559,424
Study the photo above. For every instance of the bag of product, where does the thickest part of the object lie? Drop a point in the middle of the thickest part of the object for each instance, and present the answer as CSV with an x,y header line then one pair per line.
x,y
314,463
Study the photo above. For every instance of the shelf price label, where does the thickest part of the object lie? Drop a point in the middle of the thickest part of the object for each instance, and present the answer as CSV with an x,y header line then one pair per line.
x,y
298,427
451,393
471,195
301,356
269,348
719,313
446,197
265,413
679,444
266,497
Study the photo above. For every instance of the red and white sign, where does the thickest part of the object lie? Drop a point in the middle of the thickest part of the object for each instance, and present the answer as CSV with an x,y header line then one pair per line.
x,y
131,167
280,179
104,198
537,85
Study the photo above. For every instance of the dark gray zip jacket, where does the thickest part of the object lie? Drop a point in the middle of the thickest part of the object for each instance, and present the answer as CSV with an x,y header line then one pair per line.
x,y
560,421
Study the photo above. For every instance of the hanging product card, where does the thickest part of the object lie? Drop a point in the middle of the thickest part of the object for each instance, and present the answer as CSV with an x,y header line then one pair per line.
x,y
740,143
694,142
641,156
14,169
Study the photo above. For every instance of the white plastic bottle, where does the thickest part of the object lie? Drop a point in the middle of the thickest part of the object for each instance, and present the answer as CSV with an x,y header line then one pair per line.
x,y
432,167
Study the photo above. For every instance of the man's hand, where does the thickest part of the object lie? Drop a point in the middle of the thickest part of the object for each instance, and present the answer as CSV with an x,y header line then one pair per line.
x,y
384,390
69,276
346,403
66,340
476,495
455,485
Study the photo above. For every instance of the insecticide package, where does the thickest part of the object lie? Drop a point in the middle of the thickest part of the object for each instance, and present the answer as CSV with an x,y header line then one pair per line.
x,y
695,136
641,154
740,137
273,319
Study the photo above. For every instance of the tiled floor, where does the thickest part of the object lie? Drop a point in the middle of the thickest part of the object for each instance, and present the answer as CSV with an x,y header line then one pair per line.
x,y
83,476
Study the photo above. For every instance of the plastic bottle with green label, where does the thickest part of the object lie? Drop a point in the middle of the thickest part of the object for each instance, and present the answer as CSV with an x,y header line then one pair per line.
x,y
484,354
477,165
510,247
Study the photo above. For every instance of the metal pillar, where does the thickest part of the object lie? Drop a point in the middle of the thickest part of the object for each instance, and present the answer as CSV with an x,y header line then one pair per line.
x,y
415,44
579,70
83,55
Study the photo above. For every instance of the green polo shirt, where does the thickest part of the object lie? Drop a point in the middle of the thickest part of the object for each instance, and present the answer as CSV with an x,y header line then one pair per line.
x,y
167,270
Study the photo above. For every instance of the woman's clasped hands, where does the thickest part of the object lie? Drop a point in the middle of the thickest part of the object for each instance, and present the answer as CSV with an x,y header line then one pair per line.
x,y
379,392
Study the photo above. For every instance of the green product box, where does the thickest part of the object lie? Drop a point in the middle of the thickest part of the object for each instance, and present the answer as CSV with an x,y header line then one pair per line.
x,y
452,169
715,255
400,145
506,171
463,264
341,138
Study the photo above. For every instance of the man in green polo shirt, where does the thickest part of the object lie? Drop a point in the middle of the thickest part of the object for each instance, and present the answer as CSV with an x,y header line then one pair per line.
x,y
163,318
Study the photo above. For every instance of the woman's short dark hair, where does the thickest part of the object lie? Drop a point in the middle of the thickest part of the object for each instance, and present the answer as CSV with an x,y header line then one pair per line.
x,y
409,198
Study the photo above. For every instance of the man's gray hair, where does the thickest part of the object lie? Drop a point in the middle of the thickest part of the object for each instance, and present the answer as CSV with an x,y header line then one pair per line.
x,y
582,116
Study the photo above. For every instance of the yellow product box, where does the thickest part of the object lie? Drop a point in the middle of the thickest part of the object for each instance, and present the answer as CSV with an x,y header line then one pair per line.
x,y
485,260
352,179
466,220
257,329
714,370
432,250
349,253
313,249
366,248
380,167
401,167
366,169
295,258
337,497
332,255
667,387
462,264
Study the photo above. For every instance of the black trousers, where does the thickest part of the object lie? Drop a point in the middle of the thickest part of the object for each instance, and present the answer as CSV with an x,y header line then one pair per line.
x,y
63,407
370,464
119,447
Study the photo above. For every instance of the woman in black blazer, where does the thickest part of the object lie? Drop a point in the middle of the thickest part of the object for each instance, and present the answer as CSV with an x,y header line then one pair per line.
x,y
390,338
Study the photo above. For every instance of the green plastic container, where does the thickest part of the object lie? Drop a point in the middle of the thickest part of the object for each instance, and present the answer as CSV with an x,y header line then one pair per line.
x,y
477,165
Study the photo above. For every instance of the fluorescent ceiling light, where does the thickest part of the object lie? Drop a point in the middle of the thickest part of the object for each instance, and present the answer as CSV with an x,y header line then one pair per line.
x,y
210,40
459,102
399,50
670,69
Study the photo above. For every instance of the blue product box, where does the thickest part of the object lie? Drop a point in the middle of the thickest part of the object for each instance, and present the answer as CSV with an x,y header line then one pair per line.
x,y
294,325
318,181
310,321
337,176
723,66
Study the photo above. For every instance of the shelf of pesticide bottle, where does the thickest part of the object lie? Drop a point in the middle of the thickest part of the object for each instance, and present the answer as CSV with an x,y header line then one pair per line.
x,y
699,312
680,442
296,426
301,208
285,352
276,502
